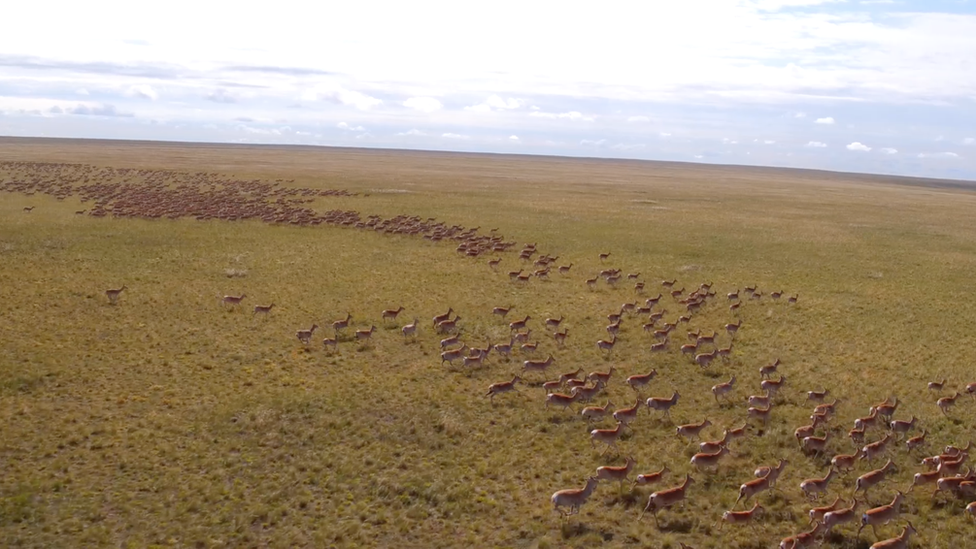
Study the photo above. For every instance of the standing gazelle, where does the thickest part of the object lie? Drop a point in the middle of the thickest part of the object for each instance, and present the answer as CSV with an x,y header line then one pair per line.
x,y
113,294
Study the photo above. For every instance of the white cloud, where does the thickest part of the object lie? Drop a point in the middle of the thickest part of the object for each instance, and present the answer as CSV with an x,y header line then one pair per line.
x,y
945,154
82,91
858,146
627,147
454,136
144,91
799,115
969,141
727,141
638,119
571,115
423,104
496,103
220,95
413,132
769,142
346,127
816,144
513,138
341,96
593,143
826,120
888,150
665,134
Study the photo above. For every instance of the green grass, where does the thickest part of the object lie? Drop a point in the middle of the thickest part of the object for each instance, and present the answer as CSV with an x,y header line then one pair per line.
x,y
171,420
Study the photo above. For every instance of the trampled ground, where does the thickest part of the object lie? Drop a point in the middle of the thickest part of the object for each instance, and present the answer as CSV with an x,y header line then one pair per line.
x,y
170,419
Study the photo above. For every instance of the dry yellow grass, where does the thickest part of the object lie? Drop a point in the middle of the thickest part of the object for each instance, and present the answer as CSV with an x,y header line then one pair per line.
x,y
170,419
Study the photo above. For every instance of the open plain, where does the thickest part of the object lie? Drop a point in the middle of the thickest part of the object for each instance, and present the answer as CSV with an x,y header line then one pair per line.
x,y
165,415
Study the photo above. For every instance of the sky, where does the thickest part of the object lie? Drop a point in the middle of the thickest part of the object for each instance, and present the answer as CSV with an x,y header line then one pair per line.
x,y
875,86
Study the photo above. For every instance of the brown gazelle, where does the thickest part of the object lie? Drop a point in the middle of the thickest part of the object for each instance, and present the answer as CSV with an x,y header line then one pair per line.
x,y
732,329
113,294
410,329
330,342
233,299
899,426
553,323
768,370
651,478
712,446
618,474
666,498
915,443
560,337
606,436
937,386
501,388
741,517
817,513
448,326
760,413
607,346
439,318
839,516
263,309
391,314
641,380
305,336
602,376
573,498
723,389
845,462
502,311
881,515
900,542
772,387
662,404
874,449
537,365
365,334
519,324
692,430
708,460
592,413
815,487
803,539
339,325
762,483
870,479
945,403
561,400
627,415
817,396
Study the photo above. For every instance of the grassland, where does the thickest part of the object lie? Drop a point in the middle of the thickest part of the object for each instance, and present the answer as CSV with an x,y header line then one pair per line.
x,y
169,420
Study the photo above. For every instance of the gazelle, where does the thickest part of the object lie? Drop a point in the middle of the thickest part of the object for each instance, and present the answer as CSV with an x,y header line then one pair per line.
x,y
866,481
448,326
502,311
887,409
925,477
881,515
563,378
937,386
741,517
232,299
900,426
451,356
803,539
735,306
712,446
305,336
760,413
519,324
704,359
501,388
826,409
723,389
915,443
945,403
954,484
870,451
808,430
772,387
560,337
553,323
641,380
601,376
537,365
588,393
817,396
439,318
263,309
591,282
606,436
604,256
561,400
605,345
341,324
522,337
761,401
971,390
410,329
662,404
365,334
708,460
845,462
692,430
732,329
952,467
900,542
552,386
573,498
761,484
817,513
971,509
651,478
113,294
768,370
839,516
529,348
816,445
391,314
733,295
870,420
815,487
666,498
493,263
592,413
856,436
660,346
564,269
669,283
626,415
724,352
618,474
